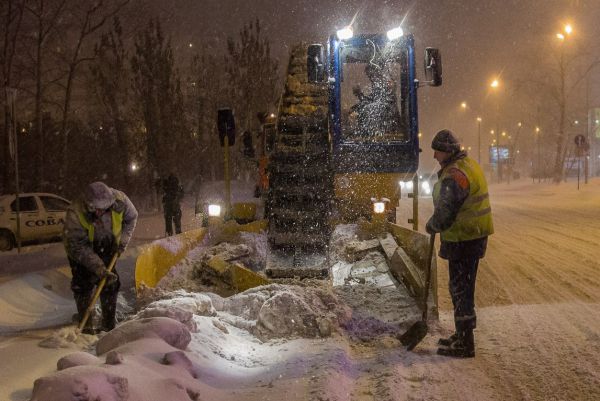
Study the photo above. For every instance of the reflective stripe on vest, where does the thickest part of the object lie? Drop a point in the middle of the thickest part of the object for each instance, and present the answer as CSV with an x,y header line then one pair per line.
x,y
474,219
117,225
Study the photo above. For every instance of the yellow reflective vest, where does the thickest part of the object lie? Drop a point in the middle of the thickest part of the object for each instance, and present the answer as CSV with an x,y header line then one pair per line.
x,y
474,219
117,225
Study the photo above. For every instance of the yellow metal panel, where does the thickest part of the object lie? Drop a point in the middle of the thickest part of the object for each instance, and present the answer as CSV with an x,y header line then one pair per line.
x,y
235,275
353,192
255,226
416,245
157,259
243,211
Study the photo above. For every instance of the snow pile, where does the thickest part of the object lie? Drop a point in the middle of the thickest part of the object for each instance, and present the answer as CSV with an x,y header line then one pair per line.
x,y
142,361
284,311
181,306
36,300
268,312
152,358
171,331
81,383
247,249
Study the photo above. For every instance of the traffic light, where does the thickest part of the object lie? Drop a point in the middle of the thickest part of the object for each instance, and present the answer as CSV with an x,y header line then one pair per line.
x,y
226,126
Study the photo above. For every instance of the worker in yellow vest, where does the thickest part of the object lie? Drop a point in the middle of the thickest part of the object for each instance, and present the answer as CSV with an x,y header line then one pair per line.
x,y
97,226
463,217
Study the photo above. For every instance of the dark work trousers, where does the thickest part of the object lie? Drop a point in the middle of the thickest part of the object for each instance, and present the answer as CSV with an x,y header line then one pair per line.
x,y
83,286
172,217
463,273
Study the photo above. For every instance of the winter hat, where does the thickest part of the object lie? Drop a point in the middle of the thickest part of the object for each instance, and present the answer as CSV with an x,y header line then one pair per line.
x,y
98,195
445,141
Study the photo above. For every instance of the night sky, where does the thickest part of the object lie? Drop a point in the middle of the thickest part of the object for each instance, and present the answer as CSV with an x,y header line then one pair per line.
x,y
479,39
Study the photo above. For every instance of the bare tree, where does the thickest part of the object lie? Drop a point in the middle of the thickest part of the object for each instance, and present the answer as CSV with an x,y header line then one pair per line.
x,y
111,75
45,15
207,94
252,72
557,86
88,18
253,81
158,93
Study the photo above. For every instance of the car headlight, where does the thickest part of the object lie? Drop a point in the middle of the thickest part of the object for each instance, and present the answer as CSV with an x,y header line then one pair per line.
x,y
426,187
407,185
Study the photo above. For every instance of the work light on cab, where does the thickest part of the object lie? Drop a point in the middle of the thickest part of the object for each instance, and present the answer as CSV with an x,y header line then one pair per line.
x,y
395,33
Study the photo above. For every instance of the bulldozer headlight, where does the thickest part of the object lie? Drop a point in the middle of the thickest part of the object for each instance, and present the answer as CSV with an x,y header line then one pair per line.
x,y
378,207
345,33
214,210
395,33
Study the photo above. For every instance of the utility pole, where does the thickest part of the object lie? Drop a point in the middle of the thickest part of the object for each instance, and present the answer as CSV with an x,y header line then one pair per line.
x,y
498,163
586,157
11,96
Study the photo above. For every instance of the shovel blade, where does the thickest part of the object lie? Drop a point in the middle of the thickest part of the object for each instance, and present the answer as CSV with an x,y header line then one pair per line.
x,y
414,335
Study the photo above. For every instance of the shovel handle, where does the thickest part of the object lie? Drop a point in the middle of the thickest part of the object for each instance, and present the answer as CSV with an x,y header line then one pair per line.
x,y
99,288
428,275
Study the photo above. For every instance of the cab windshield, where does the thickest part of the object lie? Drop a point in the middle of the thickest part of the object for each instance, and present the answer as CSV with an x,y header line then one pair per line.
x,y
373,106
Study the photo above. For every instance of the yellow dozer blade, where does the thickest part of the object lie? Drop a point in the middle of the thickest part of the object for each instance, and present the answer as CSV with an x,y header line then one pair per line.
x,y
158,257
155,261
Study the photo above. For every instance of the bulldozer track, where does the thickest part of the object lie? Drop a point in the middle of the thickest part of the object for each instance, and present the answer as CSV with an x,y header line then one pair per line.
x,y
301,182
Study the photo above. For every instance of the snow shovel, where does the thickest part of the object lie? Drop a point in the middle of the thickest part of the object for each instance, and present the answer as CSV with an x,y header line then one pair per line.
x,y
99,288
417,332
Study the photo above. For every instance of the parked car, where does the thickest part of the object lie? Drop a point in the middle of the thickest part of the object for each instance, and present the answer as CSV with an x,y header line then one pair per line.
x,y
41,215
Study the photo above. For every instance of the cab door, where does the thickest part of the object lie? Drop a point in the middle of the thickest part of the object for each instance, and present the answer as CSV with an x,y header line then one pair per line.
x,y
29,215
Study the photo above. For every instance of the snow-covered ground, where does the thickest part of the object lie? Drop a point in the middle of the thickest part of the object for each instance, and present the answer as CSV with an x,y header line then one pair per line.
x,y
538,335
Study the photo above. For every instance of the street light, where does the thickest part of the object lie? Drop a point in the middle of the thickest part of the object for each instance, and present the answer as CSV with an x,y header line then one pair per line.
x,y
568,29
463,105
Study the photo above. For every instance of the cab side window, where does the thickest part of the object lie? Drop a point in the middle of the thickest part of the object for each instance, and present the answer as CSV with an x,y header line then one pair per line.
x,y
52,204
26,204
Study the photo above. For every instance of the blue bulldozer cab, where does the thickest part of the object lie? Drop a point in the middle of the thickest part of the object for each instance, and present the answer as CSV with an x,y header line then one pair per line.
x,y
373,116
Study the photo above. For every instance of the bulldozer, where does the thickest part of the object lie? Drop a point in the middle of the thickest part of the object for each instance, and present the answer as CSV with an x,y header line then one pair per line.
x,y
340,151
345,136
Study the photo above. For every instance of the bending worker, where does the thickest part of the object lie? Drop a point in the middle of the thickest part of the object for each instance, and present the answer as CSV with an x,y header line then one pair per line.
x,y
462,215
97,226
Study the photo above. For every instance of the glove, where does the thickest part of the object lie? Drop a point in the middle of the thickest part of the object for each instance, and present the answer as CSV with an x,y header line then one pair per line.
x,y
99,271
429,228
111,277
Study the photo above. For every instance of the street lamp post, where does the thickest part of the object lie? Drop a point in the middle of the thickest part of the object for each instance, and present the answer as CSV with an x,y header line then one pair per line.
x,y
539,162
559,161
494,85
479,140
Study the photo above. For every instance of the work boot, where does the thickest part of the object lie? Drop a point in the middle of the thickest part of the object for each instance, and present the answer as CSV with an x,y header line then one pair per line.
x,y
445,342
462,347
109,311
